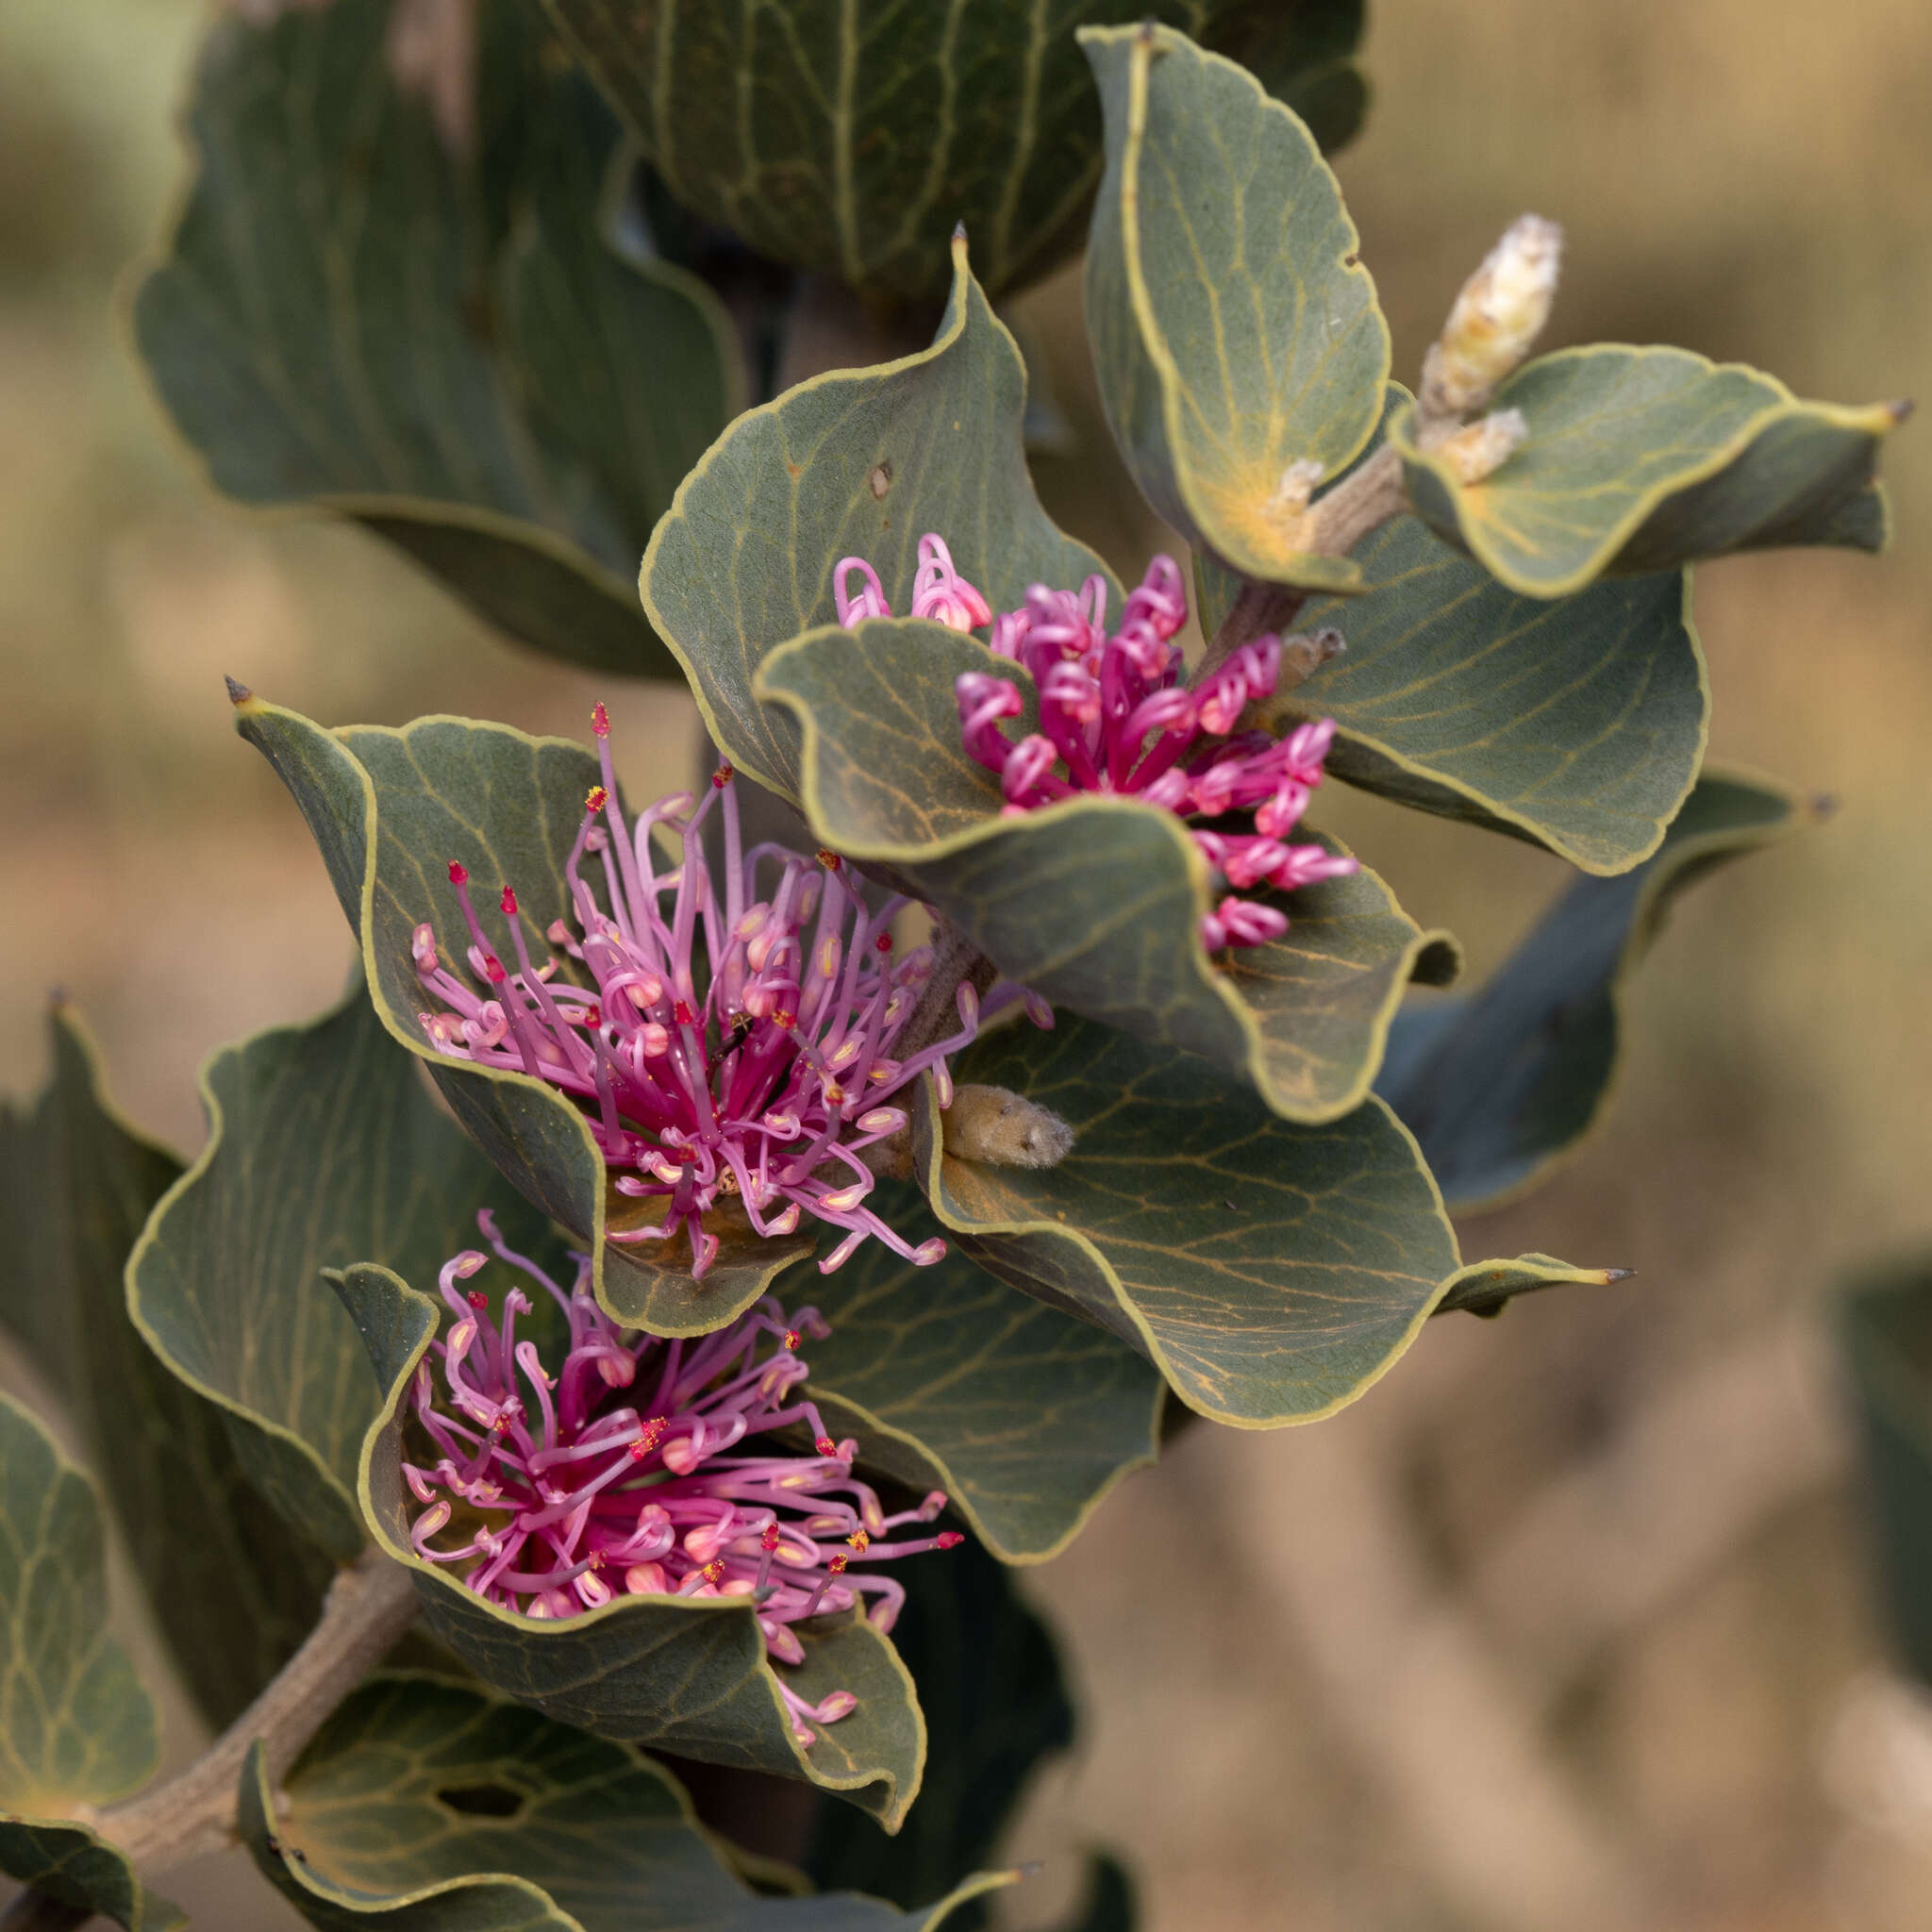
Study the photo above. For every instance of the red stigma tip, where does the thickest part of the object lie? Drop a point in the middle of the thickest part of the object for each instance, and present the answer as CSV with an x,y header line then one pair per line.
x,y
713,1572
596,799
792,1338
825,1446
600,720
723,776
949,1539
501,1423
768,1540
594,1014
477,1299
492,970
829,859
596,1560
837,1565
682,1013
509,903
654,1434
459,873
784,1022
858,1541
884,942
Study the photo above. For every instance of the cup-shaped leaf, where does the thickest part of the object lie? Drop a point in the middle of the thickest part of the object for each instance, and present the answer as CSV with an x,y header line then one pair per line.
x,y
859,462
1095,902
1486,1288
77,1726
1575,723
1501,1083
233,1588
389,810
426,1805
849,136
356,313
685,1674
950,1380
1645,459
1236,338
1886,1327
323,1148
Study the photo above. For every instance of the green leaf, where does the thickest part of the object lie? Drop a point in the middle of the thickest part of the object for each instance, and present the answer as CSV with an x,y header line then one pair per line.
x,y
1095,902
1578,723
76,1867
949,1381
1271,1271
856,462
1502,1083
390,809
1642,460
849,136
995,1706
323,1149
350,318
432,1807
77,1726
1485,1288
1885,1325
682,1675
1235,333
233,1590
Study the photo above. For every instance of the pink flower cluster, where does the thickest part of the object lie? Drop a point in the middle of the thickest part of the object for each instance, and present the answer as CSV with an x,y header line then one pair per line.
x,y
766,1083
1115,717
614,1477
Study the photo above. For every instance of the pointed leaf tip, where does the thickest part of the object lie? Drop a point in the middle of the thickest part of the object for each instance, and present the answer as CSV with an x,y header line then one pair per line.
x,y
238,692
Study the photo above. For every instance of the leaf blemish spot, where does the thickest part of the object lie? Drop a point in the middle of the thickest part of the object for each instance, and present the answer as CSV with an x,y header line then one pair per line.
x,y
880,480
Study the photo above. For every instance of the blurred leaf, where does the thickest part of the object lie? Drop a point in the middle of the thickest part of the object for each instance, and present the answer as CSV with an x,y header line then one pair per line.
x,y
1095,902
1485,1288
1111,1905
350,317
851,137
323,1148
683,1674
233,1590
1269,1271
1643,459
860,463
995,1706
949,1381
390,809
1886,1328
77,1727
1498,1085
76,1867
1235,333
1575,723
431,1806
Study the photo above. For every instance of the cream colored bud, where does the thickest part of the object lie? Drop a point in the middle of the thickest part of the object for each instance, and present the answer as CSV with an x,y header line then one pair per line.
x,y
1000,1127
1484,446
1500,313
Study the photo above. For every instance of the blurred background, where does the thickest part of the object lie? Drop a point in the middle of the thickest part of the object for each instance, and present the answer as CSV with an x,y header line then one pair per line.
x,y
1569,1623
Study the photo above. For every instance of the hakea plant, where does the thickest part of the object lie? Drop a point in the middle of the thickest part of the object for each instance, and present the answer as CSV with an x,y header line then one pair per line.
x,y
735,1042
1117,718
614,1475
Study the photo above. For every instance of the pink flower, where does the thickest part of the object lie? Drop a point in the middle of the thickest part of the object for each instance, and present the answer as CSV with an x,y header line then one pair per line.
x,y
613,1477
767,1083
1116,718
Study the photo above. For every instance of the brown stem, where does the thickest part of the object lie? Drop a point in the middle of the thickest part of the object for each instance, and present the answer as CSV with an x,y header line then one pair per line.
x,y
369,1606
1356,505
955,962
1260,608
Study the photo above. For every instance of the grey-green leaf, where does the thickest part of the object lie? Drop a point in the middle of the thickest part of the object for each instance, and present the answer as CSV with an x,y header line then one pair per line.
x,y
74,1866
350,317
1575,723
948,1380
323,1149
862,463
1486,1288
1643,459
1271,1271
233,1588
431,1806
389,810
1235,333
679,1674
849,136
1499,1084
1095,902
